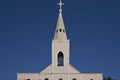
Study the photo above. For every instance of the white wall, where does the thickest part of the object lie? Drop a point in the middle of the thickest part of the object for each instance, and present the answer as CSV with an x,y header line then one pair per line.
x,y
34,76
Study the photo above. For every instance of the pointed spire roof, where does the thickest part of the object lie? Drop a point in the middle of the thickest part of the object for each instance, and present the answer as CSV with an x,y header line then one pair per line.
x,y
60,32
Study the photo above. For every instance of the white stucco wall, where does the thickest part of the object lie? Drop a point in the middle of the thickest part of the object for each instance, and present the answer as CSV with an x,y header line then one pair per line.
x,y
34,76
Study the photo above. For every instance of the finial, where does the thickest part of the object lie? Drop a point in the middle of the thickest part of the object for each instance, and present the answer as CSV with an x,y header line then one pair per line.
x,y
60,4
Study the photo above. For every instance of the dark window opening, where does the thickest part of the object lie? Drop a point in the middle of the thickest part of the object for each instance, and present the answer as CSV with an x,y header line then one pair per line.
x,y
46,79
60,59
63,30
74,79
27,79
60,30
60,79
57,30
91,79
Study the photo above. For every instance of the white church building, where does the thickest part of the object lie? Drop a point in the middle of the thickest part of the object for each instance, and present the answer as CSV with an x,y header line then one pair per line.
x,y
60,68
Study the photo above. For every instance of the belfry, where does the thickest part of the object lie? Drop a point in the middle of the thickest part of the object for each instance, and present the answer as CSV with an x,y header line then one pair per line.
x,y
60,68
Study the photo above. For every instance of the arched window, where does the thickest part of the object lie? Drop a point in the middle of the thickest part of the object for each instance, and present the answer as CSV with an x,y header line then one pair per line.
x,y
57,30
60,79
46,79
74,79
60,59
60,30
63,30
27,79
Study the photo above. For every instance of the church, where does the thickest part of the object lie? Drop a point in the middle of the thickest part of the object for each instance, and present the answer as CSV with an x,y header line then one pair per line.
x,y
60,68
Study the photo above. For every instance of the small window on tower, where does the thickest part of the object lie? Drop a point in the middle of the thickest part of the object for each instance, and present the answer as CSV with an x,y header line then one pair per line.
x,y
60,30
91,79
63,30
57,30
60,59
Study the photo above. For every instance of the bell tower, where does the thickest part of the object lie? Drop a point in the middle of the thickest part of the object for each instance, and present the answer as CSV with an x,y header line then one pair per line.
x,y
60,46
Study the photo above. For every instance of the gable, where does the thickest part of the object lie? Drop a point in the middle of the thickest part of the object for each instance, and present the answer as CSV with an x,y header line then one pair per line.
x,y
48,70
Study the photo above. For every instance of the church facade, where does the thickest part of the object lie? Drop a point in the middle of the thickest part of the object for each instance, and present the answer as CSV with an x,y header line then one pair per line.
x,y
60,68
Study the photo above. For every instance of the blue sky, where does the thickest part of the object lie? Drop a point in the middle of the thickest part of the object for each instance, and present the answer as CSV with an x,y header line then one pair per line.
x,y
27,29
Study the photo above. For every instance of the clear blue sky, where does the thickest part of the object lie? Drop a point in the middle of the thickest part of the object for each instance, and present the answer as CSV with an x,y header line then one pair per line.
x,y
27,29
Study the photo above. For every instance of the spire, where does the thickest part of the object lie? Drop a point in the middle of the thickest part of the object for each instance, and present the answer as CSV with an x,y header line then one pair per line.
x,y
60,33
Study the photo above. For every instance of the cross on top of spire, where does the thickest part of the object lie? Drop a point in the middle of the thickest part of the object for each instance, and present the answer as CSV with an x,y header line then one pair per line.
x,y
60,4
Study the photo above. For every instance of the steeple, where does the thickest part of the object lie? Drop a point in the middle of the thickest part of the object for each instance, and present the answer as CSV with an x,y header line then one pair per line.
x,y
60,32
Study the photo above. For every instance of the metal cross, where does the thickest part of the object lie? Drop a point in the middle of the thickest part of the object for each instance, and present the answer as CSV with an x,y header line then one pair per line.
x,y
60,4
